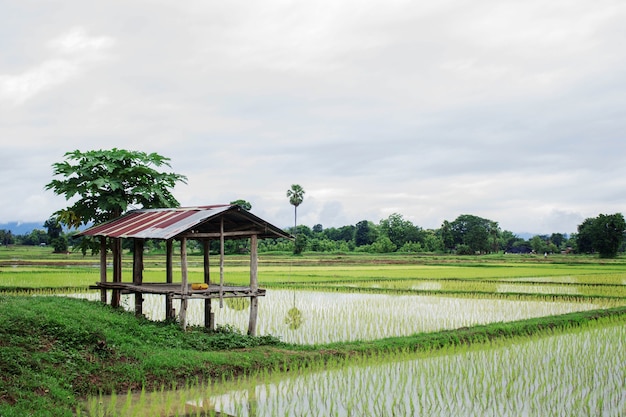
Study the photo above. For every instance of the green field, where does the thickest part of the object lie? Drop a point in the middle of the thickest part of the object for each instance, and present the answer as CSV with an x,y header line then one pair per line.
x,y
56,352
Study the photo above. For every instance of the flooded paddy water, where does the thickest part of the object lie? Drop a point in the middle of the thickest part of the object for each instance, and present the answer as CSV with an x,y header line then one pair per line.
x,y
578,373
326,317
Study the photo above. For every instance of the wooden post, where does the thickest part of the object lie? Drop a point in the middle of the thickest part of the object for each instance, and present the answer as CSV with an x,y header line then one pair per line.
x,y
169,256
208,314
103,267
254,285
184,287
222,262
117,270
138,273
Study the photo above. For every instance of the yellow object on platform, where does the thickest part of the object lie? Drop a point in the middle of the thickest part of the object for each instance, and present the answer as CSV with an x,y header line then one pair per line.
x,y
199,286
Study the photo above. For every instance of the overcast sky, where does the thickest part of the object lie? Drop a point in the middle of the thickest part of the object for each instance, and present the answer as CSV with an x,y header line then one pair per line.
x,y
510,110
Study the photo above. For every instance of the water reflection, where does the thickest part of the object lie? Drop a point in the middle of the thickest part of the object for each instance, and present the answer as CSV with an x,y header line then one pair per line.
x,y
294,318
237,304
356,316
179,403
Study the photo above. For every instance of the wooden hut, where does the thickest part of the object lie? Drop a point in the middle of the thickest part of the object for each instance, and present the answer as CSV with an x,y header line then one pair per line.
x,y
204,223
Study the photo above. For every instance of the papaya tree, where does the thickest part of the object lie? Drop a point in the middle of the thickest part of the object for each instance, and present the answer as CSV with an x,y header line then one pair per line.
x,y
109,182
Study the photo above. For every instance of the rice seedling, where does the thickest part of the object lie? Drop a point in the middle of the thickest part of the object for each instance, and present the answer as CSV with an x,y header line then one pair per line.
x,y
580,372
523,286
538,289
356,273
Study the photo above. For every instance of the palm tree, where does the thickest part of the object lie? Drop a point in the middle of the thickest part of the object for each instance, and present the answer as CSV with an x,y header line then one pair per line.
x,y
296,195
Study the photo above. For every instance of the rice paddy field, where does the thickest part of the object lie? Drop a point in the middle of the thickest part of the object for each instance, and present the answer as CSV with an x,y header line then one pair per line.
x,y
580,373
329,317
325,300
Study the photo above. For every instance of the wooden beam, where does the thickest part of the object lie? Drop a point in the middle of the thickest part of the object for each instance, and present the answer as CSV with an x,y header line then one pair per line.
x,y
217,235
221,261
254,285
103,267
138,245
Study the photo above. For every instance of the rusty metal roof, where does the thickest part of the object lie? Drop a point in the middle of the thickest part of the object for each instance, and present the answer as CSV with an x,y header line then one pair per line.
x,y
169,223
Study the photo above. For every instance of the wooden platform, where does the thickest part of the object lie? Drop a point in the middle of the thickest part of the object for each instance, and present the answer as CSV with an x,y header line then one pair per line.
x,y
174,290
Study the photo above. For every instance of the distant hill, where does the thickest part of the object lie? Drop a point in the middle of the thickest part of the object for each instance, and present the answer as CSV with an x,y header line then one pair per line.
x,y
18,228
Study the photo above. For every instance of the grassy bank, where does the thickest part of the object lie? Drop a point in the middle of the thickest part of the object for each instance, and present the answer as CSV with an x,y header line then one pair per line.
x,y
55,350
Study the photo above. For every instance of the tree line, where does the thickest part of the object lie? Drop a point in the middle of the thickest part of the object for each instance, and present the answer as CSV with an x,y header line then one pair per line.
x,y
109,182
53,236
466,235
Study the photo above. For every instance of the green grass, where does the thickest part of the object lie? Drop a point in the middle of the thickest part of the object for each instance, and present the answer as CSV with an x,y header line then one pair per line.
x,y
54,349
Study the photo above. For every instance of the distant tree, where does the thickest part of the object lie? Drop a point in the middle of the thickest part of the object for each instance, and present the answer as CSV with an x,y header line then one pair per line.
x,y
570,243
296,196
604,234
472,231
447,237
318,228
59,244
299,244
586,236
383,245
243,204
54,228
411,247
607,238
520,246
332,233
346,233
507,239
464,249
432,242
6,237
558,239
304,230
108,182
364,233
539,244
399,230
55,235
36,237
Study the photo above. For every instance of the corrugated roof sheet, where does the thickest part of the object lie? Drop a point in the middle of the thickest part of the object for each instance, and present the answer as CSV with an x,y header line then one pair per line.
x,y
168,223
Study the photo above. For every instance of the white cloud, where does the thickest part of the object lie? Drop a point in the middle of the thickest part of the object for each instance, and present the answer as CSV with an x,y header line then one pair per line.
x,y
76,41
81,51
21,87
